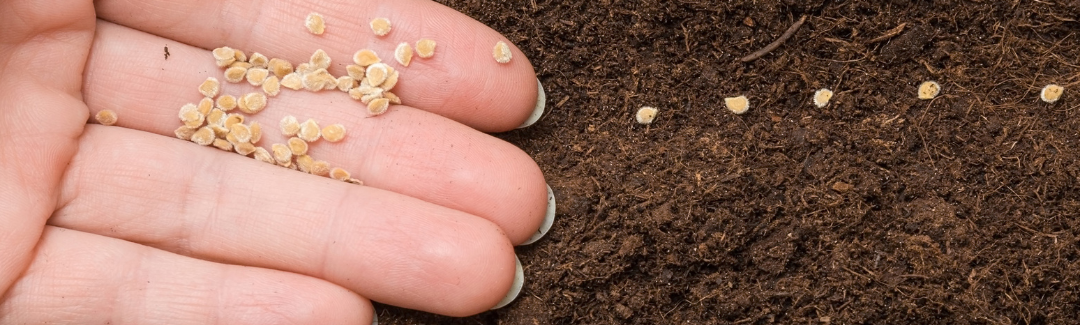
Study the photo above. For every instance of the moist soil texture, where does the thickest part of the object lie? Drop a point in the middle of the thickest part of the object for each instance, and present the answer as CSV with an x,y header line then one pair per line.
x,y
879,208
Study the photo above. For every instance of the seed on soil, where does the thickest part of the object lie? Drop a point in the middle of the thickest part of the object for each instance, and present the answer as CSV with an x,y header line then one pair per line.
x,y
222,144
737,105
105,117
297,146
425,48
289,125
189,114
241,132
210,87
224,56
378,106
235,74
279,67
256,132
252,103
262,155
929,90
403,54
244,148
365,58
320,60
226,102
822,97
381,26
271,86
258,60
205,105
345,83
646,115
315,23
320,168
501,52
309,131
377,73
293,81
185,132
204,136
333,132
1051,93
340,174
281,152
256,76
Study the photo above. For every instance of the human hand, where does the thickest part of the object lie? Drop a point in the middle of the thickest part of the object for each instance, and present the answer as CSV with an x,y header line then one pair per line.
x,y
148,228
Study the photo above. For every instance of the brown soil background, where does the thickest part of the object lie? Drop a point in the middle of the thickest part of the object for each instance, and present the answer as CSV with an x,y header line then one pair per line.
x,y
878,209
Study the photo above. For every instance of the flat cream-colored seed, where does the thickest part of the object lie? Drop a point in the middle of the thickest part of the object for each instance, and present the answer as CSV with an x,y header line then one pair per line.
x,y
822,97
293,81
184,132
226,102
355,71
378,106
305,68
355,181
1051,93
376,74
279,67
369,90
235,74
216,117
239,56
241,64
222,144
252,103
403,54
232,138
309,131
646,115
315,23
224,56
205,105
333,132
304,162
345,83
297,146
241,132
391,80
281,152
737,105
367,99
256,131
318,80
929,90
355,93
502,53
105,117
271,86
425,48
381,26
244,148
320,59
203,137
189,114
210,87
394,99
320,168
365,58
232,119
340,174
289,125
262,155
258,60
256,76
220,132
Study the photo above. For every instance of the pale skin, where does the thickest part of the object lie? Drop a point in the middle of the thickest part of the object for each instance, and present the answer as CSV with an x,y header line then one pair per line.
x,y
127,224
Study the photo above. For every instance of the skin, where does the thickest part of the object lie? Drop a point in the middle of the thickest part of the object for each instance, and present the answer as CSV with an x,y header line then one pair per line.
x,y
127,224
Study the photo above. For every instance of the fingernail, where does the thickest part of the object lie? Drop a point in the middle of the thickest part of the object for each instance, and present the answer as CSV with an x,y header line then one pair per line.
x,y
541,103
515,289
549,218
374,319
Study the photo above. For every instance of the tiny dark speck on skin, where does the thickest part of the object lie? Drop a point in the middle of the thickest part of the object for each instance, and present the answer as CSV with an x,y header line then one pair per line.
x,y
166,52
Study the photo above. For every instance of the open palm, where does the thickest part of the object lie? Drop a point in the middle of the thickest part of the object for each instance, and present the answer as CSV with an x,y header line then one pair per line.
x,y
129,224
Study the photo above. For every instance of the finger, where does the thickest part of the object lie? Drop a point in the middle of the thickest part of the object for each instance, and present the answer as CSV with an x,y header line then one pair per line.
x,y
80,278
405,150
461,81
219,206
43,47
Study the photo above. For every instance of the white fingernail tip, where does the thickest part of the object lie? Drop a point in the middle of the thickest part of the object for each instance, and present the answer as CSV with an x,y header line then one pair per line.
x,y
549,218
541,103
515,288
374,319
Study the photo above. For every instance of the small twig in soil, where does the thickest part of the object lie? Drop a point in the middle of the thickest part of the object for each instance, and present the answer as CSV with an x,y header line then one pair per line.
x,y
889,34
775,44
